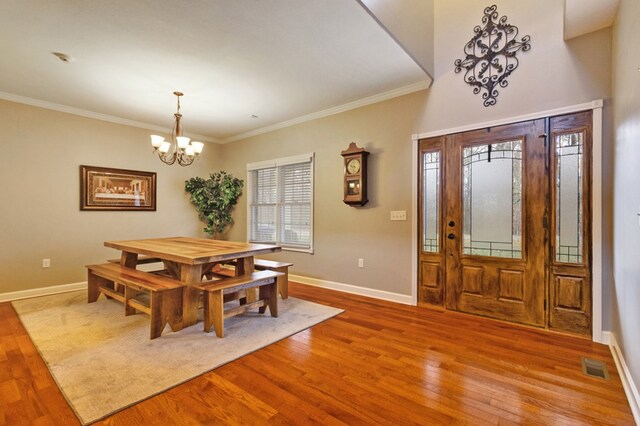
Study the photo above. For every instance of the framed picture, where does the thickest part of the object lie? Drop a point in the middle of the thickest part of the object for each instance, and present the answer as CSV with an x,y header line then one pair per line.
x,y
102,188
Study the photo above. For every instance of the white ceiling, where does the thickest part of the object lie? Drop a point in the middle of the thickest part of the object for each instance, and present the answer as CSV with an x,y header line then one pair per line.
x,y
278,59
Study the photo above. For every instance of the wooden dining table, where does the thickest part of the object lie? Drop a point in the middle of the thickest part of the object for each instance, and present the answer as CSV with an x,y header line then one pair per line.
x,y
188,258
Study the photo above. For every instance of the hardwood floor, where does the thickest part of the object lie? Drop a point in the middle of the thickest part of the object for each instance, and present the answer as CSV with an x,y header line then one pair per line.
x,y
377,363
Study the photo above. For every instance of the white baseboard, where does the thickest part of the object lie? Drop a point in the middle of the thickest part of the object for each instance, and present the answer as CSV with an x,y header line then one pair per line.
x,y
629,385
405,299
346,288
42,291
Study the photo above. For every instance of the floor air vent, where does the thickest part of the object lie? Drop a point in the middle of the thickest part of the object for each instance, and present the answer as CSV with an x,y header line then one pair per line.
x,y
594,368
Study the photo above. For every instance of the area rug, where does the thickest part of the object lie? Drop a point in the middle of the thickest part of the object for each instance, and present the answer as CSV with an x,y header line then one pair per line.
x,y
104,362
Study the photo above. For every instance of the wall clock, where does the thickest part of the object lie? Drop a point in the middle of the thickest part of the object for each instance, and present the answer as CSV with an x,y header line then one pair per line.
x,y
355,175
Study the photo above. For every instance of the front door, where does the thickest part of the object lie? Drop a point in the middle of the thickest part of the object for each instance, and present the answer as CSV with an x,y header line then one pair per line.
x,y
503,222
492,257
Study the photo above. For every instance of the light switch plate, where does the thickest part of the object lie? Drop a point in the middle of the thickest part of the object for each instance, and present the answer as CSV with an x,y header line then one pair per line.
x,y
398,215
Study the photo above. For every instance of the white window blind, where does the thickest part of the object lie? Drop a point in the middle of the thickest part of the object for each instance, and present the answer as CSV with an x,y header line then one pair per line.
x,y
263,206
281,202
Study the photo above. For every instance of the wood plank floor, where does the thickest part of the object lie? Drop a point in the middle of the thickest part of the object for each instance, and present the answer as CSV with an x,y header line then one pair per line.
x,y
377,363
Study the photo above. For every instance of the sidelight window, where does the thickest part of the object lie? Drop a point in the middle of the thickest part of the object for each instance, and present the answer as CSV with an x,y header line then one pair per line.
x,y
568,192
431,202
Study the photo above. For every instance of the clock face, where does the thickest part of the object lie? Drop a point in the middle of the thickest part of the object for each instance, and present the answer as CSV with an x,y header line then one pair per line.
x,y
353,166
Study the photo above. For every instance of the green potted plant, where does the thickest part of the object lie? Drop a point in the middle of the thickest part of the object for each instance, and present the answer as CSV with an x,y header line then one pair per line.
x,y
214,199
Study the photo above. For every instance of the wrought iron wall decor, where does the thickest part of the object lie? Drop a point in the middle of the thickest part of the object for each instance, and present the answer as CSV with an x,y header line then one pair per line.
x,y
490,56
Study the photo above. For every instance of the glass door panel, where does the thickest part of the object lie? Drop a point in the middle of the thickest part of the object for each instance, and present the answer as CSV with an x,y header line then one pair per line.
x,y
431,202
492,199
568,191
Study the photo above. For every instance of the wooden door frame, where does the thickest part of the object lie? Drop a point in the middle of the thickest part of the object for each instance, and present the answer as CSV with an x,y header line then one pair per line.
x,y
597,224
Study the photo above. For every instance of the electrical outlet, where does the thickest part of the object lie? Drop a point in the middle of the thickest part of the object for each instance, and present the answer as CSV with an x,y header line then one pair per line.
x,y
398,215
360,263
46,263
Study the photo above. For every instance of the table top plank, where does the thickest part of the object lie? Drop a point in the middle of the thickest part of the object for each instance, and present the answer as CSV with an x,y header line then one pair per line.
x,y
192,251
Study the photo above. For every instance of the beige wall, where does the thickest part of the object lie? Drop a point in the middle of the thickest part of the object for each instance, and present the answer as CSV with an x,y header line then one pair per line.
x,y
39,194
342,234
626,106
553,74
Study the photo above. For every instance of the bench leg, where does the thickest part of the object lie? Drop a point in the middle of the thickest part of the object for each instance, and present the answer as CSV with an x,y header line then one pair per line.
x,y
214,312
92,287
157,320
269,293
172,308
283,282
129,293
94,282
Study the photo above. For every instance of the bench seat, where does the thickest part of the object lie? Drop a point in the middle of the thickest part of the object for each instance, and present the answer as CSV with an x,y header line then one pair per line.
x,y
126,284
272,265
214,292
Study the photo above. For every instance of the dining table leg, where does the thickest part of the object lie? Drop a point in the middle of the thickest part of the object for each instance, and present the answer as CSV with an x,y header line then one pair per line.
x,y
245,265
191,275
129,260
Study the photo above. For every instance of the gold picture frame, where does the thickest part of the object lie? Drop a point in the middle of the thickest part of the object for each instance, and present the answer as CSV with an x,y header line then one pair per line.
x,y
103,188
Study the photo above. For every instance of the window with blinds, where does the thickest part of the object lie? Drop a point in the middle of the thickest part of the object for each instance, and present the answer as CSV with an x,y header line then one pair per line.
x,y
281,202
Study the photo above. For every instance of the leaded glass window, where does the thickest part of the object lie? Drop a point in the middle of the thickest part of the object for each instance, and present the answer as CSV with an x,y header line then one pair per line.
x,y
431,202
492,199
568,192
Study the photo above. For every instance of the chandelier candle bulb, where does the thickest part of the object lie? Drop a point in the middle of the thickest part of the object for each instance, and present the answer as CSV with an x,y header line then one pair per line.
x,y
164,147
197,147
189,151
183,141
156,141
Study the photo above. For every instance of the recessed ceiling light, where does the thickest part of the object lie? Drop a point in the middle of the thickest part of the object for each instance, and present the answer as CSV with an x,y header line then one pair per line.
x,y
63,56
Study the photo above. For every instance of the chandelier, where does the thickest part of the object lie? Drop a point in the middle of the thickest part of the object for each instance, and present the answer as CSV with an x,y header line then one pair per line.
x,y
180,148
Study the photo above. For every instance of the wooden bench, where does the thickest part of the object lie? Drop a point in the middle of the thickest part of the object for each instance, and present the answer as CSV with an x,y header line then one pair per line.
x,y
272,265
214,291
282,267
165,294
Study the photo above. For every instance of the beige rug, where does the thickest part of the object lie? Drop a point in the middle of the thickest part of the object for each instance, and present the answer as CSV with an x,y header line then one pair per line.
x,y
104,362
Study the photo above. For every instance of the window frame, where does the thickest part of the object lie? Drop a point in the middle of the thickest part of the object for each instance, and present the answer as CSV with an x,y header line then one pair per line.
x,y
278,163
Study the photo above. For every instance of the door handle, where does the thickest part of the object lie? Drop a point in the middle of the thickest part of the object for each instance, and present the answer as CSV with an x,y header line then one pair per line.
x,y
451,236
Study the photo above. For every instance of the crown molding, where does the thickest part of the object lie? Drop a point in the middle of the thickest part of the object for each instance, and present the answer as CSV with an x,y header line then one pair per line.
x,y
96,115
405,90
